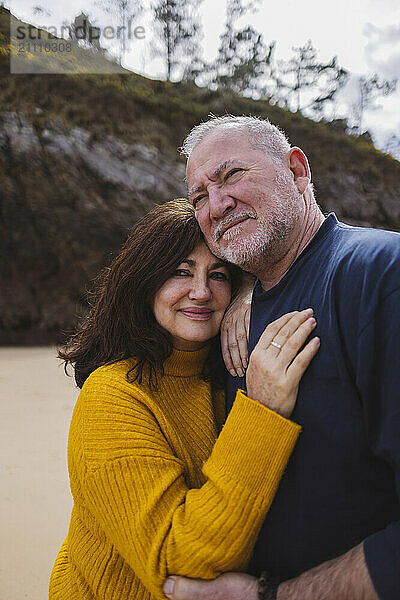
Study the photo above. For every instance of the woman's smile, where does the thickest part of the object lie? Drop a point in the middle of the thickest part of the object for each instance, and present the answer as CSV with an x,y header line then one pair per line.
x,y
197,313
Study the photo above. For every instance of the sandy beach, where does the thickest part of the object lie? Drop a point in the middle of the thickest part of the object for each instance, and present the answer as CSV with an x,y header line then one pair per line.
x,y
37,401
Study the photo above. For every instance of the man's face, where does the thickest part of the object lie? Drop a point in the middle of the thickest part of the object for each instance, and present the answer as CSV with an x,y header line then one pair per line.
x,y
246,203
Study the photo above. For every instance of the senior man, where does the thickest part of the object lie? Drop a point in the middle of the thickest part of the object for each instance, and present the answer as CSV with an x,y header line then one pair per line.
x,y
333,531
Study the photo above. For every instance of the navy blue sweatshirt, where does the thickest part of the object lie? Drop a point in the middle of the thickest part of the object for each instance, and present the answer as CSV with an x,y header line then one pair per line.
x,y
342,483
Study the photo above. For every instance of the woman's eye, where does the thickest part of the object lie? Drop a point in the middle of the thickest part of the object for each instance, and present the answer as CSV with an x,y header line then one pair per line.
x,y
219,276
182,273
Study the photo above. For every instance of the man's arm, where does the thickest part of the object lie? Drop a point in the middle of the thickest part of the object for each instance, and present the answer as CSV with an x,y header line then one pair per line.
x,y
343,578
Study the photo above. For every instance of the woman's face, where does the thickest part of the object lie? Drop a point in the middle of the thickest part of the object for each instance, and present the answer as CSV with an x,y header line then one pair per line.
x,y
191,304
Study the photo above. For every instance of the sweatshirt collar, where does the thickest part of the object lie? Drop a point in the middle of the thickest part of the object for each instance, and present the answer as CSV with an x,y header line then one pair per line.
x,y
184,364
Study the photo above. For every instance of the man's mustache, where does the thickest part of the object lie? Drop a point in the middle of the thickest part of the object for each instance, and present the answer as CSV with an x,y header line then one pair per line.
x,y
222,225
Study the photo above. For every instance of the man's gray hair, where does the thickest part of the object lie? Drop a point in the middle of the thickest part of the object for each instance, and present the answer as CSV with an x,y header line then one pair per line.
x,y
261,132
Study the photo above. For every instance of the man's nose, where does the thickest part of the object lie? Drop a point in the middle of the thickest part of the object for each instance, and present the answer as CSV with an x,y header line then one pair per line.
x,y
220,203
200,289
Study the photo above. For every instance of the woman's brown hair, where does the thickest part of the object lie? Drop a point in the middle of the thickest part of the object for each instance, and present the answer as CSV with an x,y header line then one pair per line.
x,y
121,322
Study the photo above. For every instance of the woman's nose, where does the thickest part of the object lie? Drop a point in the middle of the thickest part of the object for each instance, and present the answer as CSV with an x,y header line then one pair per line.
x,y
199,290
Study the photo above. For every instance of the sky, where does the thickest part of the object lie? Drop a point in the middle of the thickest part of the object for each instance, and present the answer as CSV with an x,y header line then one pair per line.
x,y
363,34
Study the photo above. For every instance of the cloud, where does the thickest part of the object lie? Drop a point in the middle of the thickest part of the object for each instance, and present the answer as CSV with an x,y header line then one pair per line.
x,y
382,51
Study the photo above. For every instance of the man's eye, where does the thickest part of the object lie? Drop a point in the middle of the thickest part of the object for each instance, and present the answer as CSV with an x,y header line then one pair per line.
x,y
233,172
199,200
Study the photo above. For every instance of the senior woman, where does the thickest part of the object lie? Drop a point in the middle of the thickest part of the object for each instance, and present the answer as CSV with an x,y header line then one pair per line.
x,y
159,486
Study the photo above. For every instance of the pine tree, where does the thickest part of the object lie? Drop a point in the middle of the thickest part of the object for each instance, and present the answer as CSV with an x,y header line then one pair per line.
x,y
243,59
304,83
370,88
125,11
177,33
82,30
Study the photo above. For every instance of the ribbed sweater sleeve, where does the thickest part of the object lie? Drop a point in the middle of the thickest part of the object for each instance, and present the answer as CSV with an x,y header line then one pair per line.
x,y
139,496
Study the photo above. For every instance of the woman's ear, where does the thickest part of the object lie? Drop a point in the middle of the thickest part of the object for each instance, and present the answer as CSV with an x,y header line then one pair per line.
x,y
300,168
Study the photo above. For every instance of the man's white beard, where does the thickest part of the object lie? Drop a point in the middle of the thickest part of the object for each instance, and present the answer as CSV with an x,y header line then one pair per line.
x,y
267,243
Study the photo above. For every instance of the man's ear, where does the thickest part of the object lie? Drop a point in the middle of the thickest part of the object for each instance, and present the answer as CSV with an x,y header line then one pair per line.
x,y
300,168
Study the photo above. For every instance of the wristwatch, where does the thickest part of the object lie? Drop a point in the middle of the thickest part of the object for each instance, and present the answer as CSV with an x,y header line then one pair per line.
x,y
267,586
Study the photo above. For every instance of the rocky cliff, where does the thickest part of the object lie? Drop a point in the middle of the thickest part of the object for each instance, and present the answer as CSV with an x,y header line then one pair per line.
x,y
81,158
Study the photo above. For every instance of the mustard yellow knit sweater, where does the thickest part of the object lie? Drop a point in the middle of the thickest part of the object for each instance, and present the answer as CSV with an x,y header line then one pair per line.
x,y
156,490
